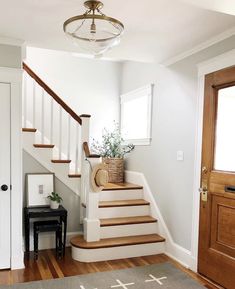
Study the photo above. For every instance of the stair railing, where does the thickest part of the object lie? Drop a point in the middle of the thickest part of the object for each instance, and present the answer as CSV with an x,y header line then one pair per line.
x,y
56,123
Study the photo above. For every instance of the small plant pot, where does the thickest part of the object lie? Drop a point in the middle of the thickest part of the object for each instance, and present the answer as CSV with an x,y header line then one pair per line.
x,y
54,205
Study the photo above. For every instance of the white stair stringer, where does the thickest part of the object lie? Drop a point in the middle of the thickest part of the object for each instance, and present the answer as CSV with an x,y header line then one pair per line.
x,y
119,252
44,157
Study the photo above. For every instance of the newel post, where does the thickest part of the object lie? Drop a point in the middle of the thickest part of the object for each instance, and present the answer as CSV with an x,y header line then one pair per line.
x,y
88,197
85,135
91,221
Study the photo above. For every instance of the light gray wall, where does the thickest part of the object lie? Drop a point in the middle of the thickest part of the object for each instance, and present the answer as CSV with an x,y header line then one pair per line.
x,y
173,129
70,200
10,56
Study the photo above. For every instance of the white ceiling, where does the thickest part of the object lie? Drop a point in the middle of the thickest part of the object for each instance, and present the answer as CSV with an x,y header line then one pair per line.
x,y
155,30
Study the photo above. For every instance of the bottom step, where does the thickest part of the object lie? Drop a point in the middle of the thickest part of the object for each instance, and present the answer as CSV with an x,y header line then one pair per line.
x,y
116,248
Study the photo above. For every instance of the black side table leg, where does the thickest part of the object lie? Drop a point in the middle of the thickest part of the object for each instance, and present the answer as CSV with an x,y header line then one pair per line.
x,y
27,227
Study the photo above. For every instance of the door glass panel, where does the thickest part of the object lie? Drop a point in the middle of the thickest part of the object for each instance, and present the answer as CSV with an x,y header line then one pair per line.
x,y
225,130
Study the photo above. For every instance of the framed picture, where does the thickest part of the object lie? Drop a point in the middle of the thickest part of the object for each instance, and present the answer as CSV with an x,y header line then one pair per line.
x,y
38,187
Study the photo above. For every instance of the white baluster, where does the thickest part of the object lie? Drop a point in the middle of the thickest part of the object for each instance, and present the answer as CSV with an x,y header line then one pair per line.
x,y
34,104
76,148
25,100
60,133
69,127
42,116
52,117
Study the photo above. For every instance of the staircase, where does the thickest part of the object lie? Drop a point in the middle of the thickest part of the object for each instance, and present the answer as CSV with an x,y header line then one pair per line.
x,y
117,222
125,225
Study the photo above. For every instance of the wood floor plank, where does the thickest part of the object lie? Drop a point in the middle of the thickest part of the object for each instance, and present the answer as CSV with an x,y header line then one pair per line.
x,y
68,267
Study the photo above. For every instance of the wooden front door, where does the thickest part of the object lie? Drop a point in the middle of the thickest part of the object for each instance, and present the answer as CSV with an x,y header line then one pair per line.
x,y
217,205
5,194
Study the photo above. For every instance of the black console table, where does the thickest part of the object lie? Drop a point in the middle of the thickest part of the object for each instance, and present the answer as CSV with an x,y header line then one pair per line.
x,y
43,212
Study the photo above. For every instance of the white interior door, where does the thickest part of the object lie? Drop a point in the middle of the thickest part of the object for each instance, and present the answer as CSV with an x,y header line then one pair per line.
x,y
5,170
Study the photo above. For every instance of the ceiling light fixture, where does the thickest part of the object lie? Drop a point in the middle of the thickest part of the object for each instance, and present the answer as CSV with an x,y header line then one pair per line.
x,y
93,31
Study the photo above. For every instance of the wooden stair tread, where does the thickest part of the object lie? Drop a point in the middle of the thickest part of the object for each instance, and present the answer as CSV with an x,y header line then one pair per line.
x,y
121,186
61,161
29,129
44,146
79,242
127,221
74,175
123,203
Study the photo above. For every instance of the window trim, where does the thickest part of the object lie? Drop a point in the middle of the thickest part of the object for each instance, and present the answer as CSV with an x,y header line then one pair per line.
x,y
134,94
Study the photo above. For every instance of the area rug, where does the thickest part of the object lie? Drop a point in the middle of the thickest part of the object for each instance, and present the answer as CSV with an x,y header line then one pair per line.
x,y
157,276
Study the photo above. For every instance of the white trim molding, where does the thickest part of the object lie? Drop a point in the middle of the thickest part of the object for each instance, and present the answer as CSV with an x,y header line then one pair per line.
x,y
220,62
173,250
220,37
14,77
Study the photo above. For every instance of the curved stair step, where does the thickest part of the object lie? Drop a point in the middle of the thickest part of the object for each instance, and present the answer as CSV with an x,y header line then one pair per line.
x,y
127,221
79,241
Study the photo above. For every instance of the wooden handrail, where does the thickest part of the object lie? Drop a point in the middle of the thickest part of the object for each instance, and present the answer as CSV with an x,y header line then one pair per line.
x,y
87,151
51,93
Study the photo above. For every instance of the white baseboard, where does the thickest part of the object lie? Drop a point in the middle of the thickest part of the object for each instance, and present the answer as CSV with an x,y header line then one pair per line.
x,y
173,250
17,262
47,240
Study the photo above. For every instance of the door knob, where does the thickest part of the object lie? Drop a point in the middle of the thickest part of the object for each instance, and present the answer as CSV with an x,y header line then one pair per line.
x,y
4,187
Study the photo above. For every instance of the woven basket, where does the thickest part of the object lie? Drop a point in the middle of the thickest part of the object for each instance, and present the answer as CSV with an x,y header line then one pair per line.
x,y
115,168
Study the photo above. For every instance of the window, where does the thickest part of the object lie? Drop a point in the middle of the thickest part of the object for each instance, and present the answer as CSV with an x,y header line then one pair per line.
x,y
136,109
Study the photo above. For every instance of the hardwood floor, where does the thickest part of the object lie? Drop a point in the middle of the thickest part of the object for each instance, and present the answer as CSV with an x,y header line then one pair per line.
x,y
48,267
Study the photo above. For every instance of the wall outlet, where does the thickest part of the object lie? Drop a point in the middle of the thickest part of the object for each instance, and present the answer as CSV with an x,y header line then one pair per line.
x,y
40,189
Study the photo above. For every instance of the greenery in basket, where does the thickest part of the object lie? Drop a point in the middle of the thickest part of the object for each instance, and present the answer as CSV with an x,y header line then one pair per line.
x,y
55,197
111,145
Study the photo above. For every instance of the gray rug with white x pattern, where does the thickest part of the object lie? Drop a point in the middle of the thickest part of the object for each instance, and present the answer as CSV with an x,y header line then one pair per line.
x,y
157,276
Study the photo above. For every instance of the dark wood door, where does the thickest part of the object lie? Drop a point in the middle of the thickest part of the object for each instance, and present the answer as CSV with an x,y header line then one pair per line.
x,y
217,205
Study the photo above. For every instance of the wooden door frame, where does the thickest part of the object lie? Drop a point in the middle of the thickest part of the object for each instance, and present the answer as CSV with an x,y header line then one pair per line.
x,y
13,76
219,62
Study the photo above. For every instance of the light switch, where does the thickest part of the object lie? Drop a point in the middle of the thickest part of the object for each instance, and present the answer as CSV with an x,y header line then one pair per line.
x,y
40,189
180,156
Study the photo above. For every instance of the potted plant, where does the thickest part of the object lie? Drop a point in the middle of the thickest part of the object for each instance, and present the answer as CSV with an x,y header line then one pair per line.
x,y
55,200
112,150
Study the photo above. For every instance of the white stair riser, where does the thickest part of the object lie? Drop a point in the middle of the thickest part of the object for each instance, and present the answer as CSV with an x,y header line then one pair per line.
x,y
61,168
114,253
128,230
129,211
121,195
28,139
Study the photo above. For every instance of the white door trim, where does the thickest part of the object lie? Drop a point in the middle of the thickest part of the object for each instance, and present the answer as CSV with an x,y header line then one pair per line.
x,y
214,64
14,78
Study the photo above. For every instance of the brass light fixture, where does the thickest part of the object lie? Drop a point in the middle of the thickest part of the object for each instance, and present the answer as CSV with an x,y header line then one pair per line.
x,y
93,31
